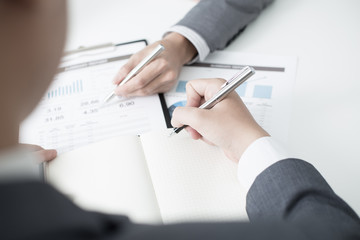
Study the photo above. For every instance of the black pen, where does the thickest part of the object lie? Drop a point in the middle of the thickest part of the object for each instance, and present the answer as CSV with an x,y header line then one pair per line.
x,y
239,78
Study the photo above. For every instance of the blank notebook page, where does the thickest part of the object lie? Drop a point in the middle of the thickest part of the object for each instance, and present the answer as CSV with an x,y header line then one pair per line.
x,y
192,180
109,176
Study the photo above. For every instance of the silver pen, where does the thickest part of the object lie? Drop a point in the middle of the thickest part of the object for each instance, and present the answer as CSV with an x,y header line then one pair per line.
x,y
137,69
239,78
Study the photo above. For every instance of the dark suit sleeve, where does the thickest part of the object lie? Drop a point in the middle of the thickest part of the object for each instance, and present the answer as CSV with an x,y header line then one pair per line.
x,y
220,21
293,191
36,211
289,200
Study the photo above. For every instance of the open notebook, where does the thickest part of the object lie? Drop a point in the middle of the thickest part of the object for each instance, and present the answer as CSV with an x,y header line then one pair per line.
x,y
152,178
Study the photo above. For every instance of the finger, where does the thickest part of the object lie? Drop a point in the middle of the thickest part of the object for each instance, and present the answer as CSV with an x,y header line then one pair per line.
x,y
191,116
167,80
31,147
193,133
207,141
198,89
46,155
142,79
196,136
163,83
125,69
193,95
132,63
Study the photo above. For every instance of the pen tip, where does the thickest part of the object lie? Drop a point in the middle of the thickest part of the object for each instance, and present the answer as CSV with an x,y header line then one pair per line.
x,y
102,105
172,133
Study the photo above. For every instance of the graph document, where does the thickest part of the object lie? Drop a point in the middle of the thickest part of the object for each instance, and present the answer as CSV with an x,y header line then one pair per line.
x,y
267,94
71,113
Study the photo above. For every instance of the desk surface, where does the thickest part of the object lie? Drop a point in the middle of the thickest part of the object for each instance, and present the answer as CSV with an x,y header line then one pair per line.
x,y
325,36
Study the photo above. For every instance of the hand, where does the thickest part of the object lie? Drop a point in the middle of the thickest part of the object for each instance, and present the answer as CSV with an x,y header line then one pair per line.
x,y
44,155
228,124
161,74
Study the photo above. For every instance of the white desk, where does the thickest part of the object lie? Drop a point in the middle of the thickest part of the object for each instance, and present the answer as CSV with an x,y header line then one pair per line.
x,y
324,34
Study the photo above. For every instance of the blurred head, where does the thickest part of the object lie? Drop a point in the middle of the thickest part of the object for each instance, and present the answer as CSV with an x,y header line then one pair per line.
x,y
32,36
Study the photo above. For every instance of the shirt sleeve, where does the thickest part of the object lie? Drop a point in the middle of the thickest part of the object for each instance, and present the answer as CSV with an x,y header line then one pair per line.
x,y
18,164
219,22
199,43
261,154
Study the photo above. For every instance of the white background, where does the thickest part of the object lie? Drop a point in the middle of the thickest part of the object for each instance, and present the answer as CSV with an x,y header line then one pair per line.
x,y
324,34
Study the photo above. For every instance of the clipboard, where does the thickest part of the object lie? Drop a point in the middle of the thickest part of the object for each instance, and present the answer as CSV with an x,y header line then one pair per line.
x,y
99,49
83,51
68,115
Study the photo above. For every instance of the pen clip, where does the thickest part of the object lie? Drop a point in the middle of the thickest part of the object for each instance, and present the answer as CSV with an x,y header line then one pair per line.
x,y
231,79
225,83
228,82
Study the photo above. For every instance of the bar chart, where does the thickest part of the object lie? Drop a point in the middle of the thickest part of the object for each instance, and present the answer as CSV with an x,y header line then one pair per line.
x,y
262,91
241,90
75,87
181,86
256,91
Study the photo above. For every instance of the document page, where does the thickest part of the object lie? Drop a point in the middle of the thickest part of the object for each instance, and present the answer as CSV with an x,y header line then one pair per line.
x,y
193,181
267,94
71,113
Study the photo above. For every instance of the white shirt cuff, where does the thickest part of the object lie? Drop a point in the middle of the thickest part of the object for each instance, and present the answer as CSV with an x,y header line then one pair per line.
x,y
197,40
261,154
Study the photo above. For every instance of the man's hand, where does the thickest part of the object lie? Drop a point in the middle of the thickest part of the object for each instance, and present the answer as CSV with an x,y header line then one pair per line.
x,y
161,74
44,155
228,124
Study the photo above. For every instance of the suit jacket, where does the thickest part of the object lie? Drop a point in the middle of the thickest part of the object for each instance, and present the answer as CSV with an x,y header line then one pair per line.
x,y
289,200
220,21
